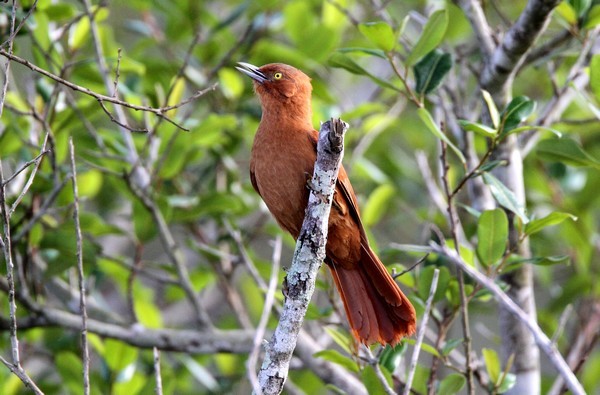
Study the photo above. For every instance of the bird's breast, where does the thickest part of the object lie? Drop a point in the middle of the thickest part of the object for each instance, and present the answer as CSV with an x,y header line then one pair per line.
x,y
281,164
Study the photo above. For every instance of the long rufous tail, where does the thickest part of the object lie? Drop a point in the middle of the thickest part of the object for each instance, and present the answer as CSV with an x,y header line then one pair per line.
x,y
377,309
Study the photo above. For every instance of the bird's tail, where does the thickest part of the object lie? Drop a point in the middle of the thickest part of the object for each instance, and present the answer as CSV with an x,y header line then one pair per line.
x,y
377,309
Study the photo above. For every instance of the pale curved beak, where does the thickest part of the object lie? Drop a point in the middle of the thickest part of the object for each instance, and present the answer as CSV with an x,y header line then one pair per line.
x,y
252,72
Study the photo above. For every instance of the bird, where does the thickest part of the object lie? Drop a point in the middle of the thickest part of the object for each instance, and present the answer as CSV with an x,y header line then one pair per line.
x,y
282,157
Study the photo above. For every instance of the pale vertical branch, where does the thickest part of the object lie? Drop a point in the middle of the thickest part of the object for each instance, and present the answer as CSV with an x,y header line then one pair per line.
x,y
308,257
264,318
157,377
497,78
483,32
80,275
421,333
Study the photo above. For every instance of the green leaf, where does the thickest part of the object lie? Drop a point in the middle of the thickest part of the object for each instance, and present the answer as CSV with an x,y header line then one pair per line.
x,y
431,37
433,128
342,61
516,112
119,355
335,357
431,70
565,10
451,345
377,204
507,383
478,128
542,260
231,83
372,382
581,6
595,71
551,219
592,19
426,278
566,151
492,109
533,127
392,356
428,348
380,34
341,339
451,384
367,51
492,236
505,197
492,364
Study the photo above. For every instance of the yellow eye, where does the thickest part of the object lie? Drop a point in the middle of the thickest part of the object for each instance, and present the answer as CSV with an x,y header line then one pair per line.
x,y
277,76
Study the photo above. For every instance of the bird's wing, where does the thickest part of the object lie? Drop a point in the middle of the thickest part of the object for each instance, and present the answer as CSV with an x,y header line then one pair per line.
x,y
344,199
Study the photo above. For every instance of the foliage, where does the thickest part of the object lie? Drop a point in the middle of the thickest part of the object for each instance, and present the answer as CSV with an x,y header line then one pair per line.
x,y
175,238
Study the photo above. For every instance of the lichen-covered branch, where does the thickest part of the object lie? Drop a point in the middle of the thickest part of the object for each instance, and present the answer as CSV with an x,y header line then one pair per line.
x,y
308,257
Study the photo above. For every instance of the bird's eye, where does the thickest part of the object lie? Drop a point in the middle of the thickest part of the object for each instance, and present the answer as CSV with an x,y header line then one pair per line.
x,y
277,76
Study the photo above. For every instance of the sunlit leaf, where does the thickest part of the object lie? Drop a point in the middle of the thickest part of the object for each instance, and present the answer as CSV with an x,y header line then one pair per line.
x,y
593,18
478,128
431,70
377,204
492,109
551,219
372,382
426,278
366,51
118,355
379,33
431,37
492,236
492,364
567,12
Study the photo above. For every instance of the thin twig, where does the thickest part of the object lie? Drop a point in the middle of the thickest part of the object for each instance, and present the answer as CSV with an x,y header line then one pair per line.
x,y
157,377
464,305
264,318
80,276
421,332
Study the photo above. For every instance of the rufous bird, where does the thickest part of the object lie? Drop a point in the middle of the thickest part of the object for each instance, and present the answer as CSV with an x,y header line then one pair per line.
x,y
283,154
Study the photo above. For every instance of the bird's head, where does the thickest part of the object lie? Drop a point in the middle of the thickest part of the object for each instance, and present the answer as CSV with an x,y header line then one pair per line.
x,y
282,89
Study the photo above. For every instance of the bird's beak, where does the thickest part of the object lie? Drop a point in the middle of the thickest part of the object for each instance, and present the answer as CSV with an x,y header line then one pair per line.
x,y
252,72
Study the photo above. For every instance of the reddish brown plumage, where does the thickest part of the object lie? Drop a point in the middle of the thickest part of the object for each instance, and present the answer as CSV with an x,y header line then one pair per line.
x,y
283,157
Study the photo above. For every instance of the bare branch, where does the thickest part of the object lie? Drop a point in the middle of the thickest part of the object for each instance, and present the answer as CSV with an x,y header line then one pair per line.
x,y
421,333
505,301
82,299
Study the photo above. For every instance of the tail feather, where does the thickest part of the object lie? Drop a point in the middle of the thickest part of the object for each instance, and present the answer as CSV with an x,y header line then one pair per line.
x,y
377,309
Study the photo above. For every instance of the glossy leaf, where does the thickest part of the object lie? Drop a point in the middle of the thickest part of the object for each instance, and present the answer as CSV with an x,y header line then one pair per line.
x,y
505,197
551,219
392,356
431,37
431,70
492,236
593,19
516,112
426,278
367,51
380,34
433,128
566,151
